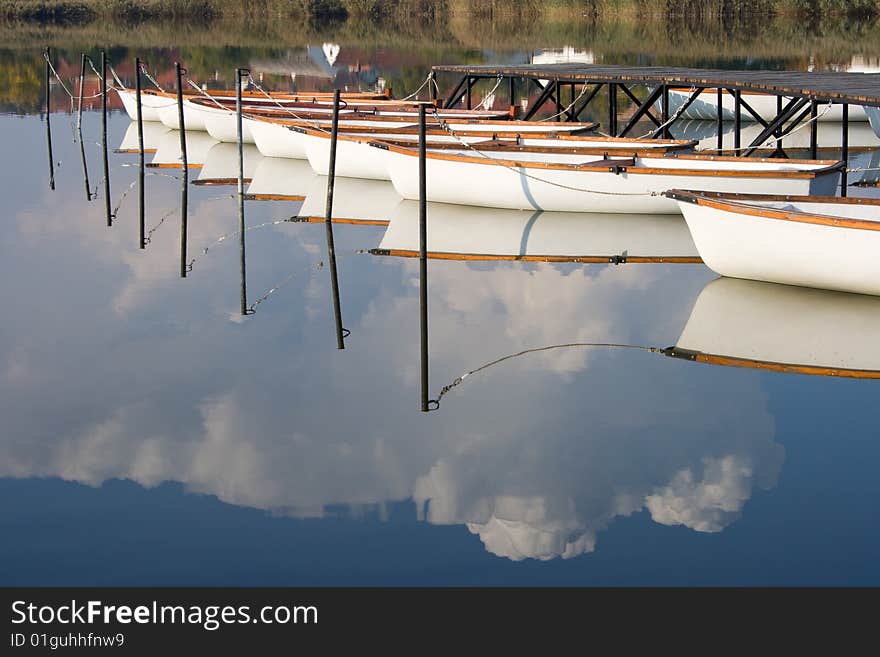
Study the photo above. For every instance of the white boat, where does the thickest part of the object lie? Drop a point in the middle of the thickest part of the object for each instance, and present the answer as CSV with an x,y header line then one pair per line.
x,y
153,133
705,107
357,158
196,108
221,164
168,153
151,103
783,328
596,184
457,232
281,138
152,99
864,145
828,242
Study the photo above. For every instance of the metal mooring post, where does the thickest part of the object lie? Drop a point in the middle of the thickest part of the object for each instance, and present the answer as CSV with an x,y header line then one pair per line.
x,y
719,116
48,119
241,226
181,125
184,220
328,224
423,260
844,147
82,80
104,138
85,166
140,129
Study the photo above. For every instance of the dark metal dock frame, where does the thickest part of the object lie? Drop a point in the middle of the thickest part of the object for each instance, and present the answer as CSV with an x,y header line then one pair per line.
x,y
798,93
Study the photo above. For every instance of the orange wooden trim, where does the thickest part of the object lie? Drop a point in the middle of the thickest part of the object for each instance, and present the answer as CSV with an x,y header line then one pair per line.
x,y
172,165
788,215
274,197
133,151
345,220
812,370
219,181
586,259
776,198
733,173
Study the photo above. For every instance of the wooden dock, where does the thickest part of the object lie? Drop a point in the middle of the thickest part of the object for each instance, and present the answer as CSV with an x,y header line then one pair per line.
x,y
798,96
850,88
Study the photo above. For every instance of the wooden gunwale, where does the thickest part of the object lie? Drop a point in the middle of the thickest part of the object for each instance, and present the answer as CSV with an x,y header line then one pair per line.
x,y
772,366
831,167
729,203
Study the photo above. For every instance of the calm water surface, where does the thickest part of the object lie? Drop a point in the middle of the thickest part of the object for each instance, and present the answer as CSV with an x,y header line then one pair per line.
x,y
153,435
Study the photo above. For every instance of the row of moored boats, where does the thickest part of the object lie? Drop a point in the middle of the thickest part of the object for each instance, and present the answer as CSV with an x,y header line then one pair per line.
x,y
768,219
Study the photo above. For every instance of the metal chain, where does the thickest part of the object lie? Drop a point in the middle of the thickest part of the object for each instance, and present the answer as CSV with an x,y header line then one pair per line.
x,y
611,345
152,230
313,268
226,236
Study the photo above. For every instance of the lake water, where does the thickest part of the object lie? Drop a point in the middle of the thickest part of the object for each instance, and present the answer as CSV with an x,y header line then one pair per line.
x,y
154,435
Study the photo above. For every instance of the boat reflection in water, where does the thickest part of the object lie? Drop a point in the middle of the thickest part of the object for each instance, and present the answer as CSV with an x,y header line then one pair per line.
x,y
457,232
783,328
153,133
168,153
221,164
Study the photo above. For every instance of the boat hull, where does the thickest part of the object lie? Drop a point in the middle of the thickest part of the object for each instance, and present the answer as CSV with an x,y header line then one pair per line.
x,y
783,328
150,104
747,246
472,182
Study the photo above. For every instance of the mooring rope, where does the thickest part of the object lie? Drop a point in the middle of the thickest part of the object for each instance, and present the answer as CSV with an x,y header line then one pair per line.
x,y
485,103
208,96
314,122
775,140
434,404
570,105
414,94
670,120
150,77
58,77
116,77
